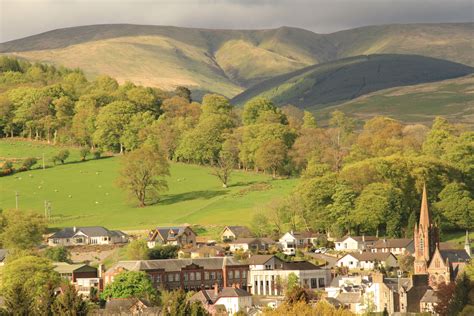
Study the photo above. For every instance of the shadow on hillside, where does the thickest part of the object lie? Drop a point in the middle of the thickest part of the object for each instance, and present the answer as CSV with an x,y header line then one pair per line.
x,y
243,183
187,196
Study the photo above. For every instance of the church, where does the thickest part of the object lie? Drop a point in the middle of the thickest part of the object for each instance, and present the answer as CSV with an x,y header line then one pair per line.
x,y
440,264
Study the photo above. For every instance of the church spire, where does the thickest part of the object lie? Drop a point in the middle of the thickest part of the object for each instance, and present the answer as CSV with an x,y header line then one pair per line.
x,y
425,220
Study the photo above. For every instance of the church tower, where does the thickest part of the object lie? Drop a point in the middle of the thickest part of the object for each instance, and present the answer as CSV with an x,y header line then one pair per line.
x,y
426,237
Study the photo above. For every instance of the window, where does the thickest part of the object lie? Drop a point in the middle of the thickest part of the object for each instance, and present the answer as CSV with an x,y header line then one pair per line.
x,y
206,275
314,283
186,276
244,274
268,267
237,274
321,282
212,276
170,277
219,275
192,276
176,277
198,276
230,274
55,241
158,278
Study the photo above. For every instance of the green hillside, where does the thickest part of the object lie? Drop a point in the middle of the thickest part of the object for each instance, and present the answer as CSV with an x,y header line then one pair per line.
x,y
228,61
452,99
349,78
84,193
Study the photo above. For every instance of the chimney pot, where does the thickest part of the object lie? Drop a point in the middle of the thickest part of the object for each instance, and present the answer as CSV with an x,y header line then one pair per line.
x,y
74,229
216,289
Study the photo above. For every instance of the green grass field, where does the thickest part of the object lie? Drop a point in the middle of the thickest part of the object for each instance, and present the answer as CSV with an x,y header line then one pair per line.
x,y
85,193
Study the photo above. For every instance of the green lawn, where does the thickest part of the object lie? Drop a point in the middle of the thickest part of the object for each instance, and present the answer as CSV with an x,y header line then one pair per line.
x,y
84,193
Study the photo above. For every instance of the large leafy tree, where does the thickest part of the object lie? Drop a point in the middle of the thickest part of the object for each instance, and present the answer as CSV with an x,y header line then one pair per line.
x,y
32,277
69,302
22,230
142,173
128,284
457,205
271,155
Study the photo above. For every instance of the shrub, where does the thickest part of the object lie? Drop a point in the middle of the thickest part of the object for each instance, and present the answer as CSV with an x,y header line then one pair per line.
x,y
29,162
62,155
163,252
96,154
84,152
7,168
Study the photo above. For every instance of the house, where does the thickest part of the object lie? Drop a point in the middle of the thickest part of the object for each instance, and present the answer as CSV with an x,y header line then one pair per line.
x,y
231,233
354,243
398,246
3,256
290,241
187,274
352,301
232,299
90,235
346,283
268,273
129,306
428,302
250,244
179,235
201,252
82,276
367,260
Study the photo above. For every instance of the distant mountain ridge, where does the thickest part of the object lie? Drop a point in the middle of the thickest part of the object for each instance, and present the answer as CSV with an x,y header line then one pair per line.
x,y
229,61
345,79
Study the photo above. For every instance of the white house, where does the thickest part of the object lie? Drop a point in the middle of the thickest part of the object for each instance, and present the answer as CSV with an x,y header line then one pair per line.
x,y
354,243
230,233
233,299
90,235
398,246
367,260
290,241
250,244
267,273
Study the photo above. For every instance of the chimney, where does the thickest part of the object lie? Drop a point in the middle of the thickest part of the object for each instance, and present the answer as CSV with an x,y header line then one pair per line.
x,y
216,289
224,271
363,237
74,229
377,277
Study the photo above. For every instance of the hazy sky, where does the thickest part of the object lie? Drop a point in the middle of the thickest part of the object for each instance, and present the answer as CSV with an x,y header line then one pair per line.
x,y
20,18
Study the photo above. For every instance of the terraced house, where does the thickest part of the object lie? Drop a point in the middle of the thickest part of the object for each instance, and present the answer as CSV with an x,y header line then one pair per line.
x,y
187,274
177,235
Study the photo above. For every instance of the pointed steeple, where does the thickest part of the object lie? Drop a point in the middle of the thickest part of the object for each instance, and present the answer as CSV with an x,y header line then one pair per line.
x,y
425,220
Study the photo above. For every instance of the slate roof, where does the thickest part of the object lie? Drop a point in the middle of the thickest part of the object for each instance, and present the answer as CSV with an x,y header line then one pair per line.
x,y
203,249
90,231
259,259
429,297
455,255
299,265
392,243
3,254
239,231
210,297
167,265
305,234
64,267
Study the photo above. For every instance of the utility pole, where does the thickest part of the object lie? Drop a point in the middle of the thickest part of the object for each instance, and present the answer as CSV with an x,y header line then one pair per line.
x,y
16,199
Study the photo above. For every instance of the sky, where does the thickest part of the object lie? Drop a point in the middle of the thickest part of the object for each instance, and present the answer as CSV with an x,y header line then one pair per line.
x,y
20,18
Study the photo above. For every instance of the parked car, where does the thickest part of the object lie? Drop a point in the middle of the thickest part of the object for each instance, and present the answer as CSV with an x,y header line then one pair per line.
x,y
320,250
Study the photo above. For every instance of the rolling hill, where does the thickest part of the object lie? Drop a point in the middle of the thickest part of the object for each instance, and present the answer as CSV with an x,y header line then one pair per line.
x,y
228,61
453,99
334,82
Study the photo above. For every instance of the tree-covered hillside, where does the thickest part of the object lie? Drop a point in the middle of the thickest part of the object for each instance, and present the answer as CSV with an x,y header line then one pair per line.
x,y
352,180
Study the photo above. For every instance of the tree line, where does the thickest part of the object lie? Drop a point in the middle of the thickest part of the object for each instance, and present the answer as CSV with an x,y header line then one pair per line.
x,y
354,179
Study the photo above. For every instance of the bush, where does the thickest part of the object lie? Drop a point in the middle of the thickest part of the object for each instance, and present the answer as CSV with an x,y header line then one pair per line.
x,y
163,252
96,154
62,155
7,168
84,152
29,162
58,254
